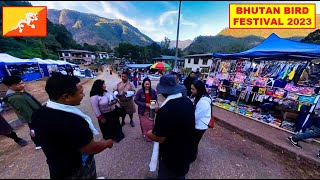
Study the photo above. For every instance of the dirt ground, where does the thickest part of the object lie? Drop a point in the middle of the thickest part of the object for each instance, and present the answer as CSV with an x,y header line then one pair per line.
x,y
36,88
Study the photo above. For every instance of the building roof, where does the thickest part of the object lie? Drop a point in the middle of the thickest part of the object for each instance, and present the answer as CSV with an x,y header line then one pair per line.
x,y
139,66
101,52
199,55
165,57
75,50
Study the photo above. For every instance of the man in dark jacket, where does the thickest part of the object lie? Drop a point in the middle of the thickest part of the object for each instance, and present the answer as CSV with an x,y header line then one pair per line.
x,y
174,130
188,82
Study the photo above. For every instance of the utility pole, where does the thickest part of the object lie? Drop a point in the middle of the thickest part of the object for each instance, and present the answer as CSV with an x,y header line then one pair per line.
x,y
176,56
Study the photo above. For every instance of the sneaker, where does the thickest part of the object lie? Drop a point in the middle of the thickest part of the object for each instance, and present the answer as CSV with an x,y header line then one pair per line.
x,y
101,177
38,147
318,155
132,123
295,143
22,142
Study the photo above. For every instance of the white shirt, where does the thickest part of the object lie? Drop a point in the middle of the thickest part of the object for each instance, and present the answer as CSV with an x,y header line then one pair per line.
x,y
203,113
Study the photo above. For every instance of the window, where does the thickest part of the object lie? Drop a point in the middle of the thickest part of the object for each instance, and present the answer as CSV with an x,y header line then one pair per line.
x,y
204,70
196,60
204,61
189,61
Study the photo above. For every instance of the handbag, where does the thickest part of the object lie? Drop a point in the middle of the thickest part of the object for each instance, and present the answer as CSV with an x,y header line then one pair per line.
x,y
119,111
211,122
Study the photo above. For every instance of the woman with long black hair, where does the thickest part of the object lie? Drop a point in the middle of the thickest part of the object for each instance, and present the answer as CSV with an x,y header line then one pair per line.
x,y
202,103
143,99
103,106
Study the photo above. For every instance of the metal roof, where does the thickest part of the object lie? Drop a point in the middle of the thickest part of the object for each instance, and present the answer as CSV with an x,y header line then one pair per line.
x,y
199,55
165,57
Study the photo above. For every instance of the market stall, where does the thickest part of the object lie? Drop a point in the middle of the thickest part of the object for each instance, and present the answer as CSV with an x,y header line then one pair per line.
x,y
46,66
274,82
28,70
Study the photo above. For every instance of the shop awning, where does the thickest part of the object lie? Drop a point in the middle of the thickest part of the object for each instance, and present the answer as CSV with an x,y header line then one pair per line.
x,y
8,59
139,66
276,47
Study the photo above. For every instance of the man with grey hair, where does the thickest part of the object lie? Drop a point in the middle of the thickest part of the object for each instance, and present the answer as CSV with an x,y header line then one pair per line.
x,y
174,130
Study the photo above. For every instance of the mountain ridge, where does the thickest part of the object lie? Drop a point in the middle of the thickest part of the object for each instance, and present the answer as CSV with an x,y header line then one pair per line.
x,y
92,29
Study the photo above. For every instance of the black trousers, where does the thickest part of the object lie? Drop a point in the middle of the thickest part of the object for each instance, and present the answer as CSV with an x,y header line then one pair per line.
x,y
165,173
197,137
13,136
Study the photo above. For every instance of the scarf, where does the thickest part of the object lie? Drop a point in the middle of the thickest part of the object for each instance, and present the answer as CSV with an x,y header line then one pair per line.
x,y
155,151
74,110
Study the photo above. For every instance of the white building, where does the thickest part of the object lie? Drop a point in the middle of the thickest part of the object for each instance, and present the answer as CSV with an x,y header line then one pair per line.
x,y
102,55
77,56
199,62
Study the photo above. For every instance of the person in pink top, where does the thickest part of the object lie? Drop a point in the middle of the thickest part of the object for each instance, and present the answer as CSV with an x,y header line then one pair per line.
x,y
103,106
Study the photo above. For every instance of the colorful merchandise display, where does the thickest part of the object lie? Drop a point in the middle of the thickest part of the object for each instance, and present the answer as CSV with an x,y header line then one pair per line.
x,y
263,90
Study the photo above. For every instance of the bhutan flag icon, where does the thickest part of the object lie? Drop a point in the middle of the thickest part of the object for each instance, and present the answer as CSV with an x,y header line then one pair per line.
x,y
24,21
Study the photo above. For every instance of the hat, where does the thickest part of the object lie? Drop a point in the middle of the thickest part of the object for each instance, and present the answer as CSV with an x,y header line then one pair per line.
x,y
168,85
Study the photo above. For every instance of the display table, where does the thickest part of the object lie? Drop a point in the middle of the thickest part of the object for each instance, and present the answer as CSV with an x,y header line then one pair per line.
x,y
272,125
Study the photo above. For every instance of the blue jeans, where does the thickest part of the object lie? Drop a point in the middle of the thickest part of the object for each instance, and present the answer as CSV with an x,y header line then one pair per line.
x,y
301,118
306,135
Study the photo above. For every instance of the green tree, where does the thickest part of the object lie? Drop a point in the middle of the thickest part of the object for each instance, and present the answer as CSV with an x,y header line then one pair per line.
x,y
313,37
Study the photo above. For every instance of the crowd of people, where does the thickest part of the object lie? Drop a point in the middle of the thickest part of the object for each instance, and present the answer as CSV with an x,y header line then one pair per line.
x,y
179,124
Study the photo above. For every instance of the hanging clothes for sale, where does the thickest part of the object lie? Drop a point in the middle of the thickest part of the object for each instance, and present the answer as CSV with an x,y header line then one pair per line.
x,y
298,73
291,74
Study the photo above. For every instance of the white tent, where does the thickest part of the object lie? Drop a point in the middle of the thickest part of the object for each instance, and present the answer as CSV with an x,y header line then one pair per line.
x,y
41,61
28,69
8,59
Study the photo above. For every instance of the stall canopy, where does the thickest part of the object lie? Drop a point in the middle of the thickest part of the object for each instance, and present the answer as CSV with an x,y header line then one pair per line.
x,y
8,59
139,66
28,69
44,65
276,47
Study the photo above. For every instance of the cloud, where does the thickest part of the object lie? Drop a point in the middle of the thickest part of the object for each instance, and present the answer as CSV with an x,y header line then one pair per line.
x,y
167,16
123,5
186,22
165,25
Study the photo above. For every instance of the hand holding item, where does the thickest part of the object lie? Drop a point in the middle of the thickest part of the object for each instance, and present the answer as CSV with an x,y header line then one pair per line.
x,y
109,143
129,93
114,101
115,93
103,120
148,105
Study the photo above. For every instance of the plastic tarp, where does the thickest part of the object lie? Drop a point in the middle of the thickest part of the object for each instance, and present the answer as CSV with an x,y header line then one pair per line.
x,y
274,47
45,65
41,61
139,66
8,60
